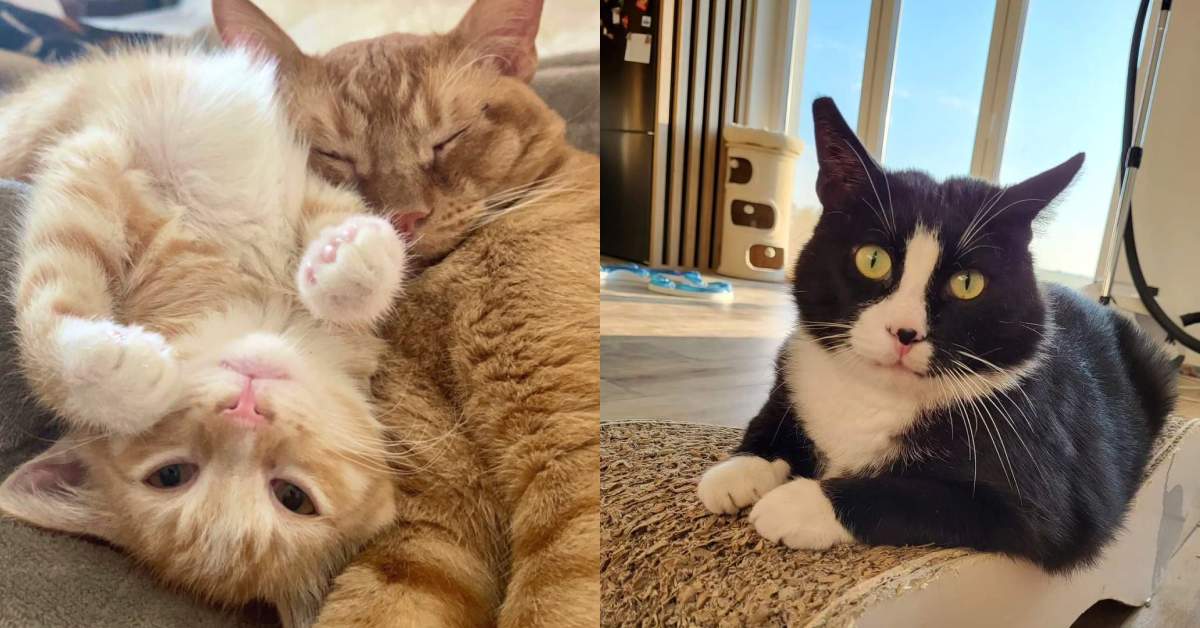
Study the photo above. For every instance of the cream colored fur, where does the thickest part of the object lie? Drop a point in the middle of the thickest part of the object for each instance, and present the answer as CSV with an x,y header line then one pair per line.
x,y
163,252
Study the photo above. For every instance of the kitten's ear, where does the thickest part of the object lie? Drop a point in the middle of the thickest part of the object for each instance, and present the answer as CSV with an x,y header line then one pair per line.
x,y
50,492
1026,199
504,30
846,169
241,24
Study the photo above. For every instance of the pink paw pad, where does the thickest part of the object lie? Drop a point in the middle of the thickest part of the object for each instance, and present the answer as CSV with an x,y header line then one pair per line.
x,y
351,271
329,251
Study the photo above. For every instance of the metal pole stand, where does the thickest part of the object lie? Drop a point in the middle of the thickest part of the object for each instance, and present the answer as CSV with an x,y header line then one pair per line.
x,y
1133,159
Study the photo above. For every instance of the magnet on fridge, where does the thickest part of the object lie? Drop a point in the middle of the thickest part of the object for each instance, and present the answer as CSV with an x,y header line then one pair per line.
x,y
625,21
646,21
616,15
637,48
643,5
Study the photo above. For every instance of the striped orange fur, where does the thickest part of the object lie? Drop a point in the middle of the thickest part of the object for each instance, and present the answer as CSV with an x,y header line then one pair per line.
x,y
491,383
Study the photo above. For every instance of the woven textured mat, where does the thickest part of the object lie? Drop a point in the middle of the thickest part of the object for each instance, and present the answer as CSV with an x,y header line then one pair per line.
x,y
665,561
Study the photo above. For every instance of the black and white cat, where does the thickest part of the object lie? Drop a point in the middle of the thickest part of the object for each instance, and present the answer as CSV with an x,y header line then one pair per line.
x,y
933,392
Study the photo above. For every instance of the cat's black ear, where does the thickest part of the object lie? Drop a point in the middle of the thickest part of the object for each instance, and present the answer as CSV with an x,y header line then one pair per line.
x,y
1025,200
503,32
51,492
241,24
847,170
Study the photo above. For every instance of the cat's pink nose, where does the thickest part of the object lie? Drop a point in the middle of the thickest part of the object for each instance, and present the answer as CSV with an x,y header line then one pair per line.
x,y
245,410
407,222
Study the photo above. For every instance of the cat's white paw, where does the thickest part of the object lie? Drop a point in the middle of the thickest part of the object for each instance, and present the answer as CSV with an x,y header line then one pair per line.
x,y
799,515
120,378
353,271
740,481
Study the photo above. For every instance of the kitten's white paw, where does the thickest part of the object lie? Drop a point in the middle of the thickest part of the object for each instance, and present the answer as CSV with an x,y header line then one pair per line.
x,y
353,271
740,481
800,515
119,377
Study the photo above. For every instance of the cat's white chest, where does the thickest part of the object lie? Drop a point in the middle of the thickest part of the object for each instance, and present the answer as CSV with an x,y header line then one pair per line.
x,y
852,420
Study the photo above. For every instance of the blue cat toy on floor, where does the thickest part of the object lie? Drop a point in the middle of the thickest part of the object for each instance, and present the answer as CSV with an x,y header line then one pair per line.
x,y
680,283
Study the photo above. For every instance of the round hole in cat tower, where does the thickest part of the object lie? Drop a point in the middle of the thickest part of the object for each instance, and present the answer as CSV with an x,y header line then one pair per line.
x,y
756,194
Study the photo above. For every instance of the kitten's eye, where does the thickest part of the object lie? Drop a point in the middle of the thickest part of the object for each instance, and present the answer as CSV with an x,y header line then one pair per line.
x,y
172,475
967,284
873,261
441,146
293,498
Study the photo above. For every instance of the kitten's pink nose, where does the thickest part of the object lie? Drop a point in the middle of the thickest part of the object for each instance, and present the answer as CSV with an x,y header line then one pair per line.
x,y
245,411
406,223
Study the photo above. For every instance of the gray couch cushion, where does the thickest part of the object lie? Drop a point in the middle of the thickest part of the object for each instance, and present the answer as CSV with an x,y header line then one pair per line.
x,y
570,84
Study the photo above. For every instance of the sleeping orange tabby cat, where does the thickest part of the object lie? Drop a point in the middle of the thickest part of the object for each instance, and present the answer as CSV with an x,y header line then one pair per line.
x,y
213,380
494,364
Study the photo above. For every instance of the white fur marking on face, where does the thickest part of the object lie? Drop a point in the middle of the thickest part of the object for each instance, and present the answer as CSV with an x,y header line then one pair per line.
x,y
799,515
740,481
905,308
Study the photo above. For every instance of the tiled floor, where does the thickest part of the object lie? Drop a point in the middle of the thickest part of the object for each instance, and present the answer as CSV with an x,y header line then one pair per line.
x,y
667,358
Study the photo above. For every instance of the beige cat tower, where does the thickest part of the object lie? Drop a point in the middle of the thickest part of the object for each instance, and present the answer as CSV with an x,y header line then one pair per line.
x,y
666,561
757,203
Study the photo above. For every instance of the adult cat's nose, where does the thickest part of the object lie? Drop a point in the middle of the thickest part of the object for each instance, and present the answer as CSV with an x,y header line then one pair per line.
x,y
906,336
408,222
245,410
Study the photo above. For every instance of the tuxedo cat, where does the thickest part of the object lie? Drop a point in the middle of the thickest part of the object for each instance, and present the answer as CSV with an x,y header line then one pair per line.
x,y
933,392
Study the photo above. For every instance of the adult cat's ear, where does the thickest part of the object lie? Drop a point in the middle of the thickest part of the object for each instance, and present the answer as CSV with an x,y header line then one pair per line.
x,y
241,24
505,31
51,492
846,168
1026,199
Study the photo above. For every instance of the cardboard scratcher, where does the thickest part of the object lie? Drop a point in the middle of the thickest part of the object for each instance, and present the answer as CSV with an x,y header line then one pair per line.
x,y
668,562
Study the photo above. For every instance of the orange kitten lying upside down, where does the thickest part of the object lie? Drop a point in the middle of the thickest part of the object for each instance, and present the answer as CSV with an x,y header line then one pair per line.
x,y
198,308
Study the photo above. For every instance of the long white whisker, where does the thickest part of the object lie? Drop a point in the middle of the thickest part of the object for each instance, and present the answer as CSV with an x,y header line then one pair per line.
x,y
870,180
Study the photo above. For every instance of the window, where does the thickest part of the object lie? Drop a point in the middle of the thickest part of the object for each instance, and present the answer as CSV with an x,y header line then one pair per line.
x,y
833,66
1070,97
940,60
1067,96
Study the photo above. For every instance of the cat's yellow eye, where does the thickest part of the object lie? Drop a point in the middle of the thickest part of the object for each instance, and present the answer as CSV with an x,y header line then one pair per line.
x,y
292,498
873,261
967,285
172,475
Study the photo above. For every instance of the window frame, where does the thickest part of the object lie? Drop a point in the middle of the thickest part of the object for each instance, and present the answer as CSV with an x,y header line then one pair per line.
x,y
995,104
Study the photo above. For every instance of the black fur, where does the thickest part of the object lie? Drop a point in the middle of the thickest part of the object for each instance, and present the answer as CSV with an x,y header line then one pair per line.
x,y
1087,415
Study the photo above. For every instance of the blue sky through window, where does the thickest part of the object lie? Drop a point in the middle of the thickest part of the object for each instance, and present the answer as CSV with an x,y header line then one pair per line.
x,y
1069,97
